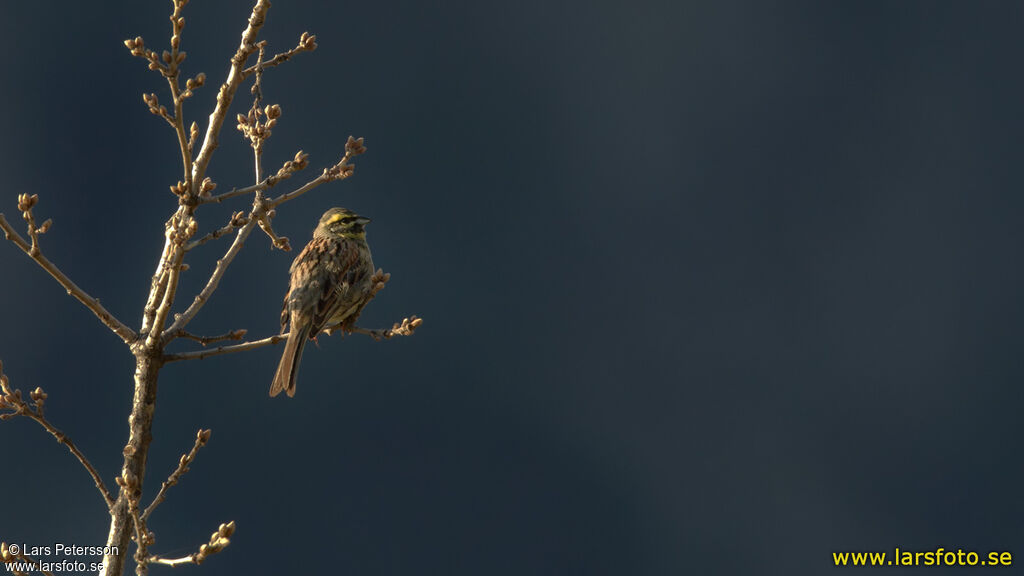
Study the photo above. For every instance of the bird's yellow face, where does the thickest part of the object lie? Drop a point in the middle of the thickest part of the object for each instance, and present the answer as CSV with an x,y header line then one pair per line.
x,y
344,223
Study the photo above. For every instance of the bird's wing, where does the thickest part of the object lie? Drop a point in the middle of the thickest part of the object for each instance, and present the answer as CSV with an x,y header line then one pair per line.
x,y
300,271
341,259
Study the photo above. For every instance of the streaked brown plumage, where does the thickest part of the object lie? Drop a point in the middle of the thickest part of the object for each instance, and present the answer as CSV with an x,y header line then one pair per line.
x,y
330,281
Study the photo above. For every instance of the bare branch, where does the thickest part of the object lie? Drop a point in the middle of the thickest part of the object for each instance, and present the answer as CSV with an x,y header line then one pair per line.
x,y
256,126
211,285
178,123
12,401
218,541
138,48
168,64
142,537
237,192
200,354
238,219
171,290
340,171
172,74
252,125
307,43
204,340
181,227
155,108
158,286
380,278
202,437
227,90
32,249
279,242
173,562
300,190
300,162
407,327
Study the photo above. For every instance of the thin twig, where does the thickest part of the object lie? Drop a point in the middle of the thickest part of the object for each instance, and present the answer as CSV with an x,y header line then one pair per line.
x,y
256,126
109,320
307,43
404,328
300,190
63,439
300,162
238,219
257,136
12,400
141,537
169,66
218,541
217,199
173,562
227,90
205,340
200,354
340,171
211,285
202,437
177,23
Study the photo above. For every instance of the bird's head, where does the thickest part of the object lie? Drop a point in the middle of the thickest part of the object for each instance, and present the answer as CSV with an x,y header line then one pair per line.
x,y
342,222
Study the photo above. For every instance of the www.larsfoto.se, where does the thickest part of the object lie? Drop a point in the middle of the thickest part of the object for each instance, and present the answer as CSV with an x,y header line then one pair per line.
x,y
937,557
18,567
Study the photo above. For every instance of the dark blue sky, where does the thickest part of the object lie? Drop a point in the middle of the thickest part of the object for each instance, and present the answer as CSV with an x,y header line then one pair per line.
x,y
709,288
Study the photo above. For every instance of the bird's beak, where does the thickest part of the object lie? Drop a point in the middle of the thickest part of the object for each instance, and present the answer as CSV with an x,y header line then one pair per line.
x,y
362,220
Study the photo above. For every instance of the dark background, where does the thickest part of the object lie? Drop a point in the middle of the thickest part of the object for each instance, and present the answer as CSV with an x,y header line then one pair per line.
x,y
711,288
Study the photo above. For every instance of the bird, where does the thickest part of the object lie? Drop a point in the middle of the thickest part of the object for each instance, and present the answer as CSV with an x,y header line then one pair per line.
x,y
330,283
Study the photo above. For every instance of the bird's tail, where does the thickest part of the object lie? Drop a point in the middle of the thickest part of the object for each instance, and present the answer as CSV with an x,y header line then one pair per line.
x,y
288,368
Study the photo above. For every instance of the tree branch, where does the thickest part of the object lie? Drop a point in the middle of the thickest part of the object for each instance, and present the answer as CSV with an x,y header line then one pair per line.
x,y
176,58
204,340
142,539
211,285
202,437
200,354
379,279
404,328
32,249
179,235
227,90
307,43
218,541
340,171
256,126
300,162
11,400
217,199
238,219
